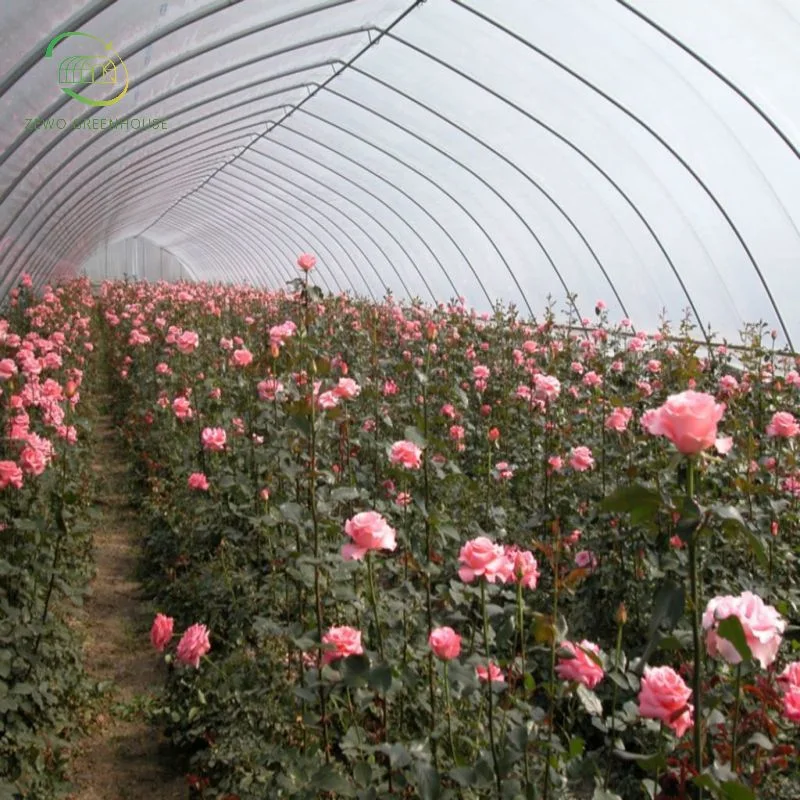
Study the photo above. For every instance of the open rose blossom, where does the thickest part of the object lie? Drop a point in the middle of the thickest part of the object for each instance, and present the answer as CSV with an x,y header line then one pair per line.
x,y
581,459
763,627
198,482
494,672
214,439
689,420
306,262
194,644
581,668
664,696
10,475
445,643
344,641
524,567
406,454
161,632
369,531
482,558
783,425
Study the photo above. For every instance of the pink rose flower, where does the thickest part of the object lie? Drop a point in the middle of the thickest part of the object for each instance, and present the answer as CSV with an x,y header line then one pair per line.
x,y
783,425
306,262
194,644
10,475
664,696
328,400
182,408
580,459
689,420
586,559
618,419
546,387
524,567
8,369
482,558
789,679
763,627
581,668
445,643
791,706
369,531
187,342
347,389
214,439
344,641
406,454
493,672
198,481
241,357
556,463
161,632
32,461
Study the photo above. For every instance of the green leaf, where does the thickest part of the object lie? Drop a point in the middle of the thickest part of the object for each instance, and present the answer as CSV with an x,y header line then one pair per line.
x,y
590,701
399,756
731,629
733,790
428,784
342,494
380,678
327,779
667,610
413,434
639,501
463,776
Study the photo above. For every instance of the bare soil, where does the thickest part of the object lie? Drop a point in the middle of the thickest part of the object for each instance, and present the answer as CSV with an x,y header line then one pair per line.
x,y
123,757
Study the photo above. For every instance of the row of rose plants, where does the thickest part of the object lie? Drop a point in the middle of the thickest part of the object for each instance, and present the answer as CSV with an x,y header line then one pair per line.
x,y
46,344
421,551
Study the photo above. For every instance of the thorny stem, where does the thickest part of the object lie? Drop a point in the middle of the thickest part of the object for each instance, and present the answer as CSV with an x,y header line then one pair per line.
x,y
551,716
492,744
735,724
697,677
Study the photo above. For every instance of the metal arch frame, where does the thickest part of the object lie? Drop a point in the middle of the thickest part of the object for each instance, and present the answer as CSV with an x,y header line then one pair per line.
x,y
504,159
467,169
349,200
159,167
292,109
262,240
218,255
183,264
64,184
44,260
288,240
75,22
579,151
314,198
250,201
168,30
249,247
307,237
715,72
650,130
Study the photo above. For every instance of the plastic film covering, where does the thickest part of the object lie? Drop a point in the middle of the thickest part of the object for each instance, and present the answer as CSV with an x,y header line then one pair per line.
x,y
641,152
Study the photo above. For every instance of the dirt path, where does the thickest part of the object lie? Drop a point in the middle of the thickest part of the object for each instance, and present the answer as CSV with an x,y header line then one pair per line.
x,y
123,758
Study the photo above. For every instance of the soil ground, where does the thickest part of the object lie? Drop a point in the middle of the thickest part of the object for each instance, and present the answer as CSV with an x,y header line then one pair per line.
x,y
123,757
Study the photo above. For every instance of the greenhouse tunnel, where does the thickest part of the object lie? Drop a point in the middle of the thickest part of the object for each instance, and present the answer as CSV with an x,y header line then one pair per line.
x,y
399,399
640,152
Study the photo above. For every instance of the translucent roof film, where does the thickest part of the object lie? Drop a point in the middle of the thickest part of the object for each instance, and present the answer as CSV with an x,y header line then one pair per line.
x,y
639,151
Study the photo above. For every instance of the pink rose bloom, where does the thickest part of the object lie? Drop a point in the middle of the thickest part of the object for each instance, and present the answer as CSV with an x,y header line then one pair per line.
x,y
241,357
214,439
789,679
664,696
445,643
580,459
345,642
347,389
480,372
763,627
369,531
581,668
481,557
448,411
269,389
198,481
8,369
546,387
10,475
403,499
187,342
586,559
456,433
182,408
555,463
618,419
592,380
194,644
524,567
306,262
791,705
689,420
406,454
783,425
328,400
493,672
32,461
161,632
